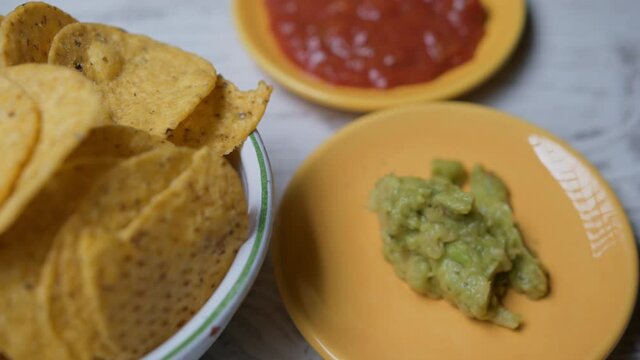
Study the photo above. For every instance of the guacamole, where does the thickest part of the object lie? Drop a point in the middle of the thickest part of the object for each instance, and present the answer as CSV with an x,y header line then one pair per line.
x,y
462,246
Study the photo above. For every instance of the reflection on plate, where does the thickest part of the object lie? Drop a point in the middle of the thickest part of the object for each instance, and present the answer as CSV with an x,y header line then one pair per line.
x,y
349,304
601,221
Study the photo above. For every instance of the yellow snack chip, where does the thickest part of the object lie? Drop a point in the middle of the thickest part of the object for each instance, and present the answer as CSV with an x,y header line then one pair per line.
x,y
70,107
117,141
25,248
115,200
224,119
27,32
147,84
19,125
190,255
119,212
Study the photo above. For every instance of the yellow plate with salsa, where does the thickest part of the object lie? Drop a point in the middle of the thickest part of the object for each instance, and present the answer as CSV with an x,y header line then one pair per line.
x,y
349,304
503,25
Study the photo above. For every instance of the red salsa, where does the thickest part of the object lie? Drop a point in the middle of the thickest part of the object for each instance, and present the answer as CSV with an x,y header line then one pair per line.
x,y
377,43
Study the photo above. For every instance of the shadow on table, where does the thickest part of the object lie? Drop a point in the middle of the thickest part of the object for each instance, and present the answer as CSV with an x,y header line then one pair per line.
x,y
493,88
629,344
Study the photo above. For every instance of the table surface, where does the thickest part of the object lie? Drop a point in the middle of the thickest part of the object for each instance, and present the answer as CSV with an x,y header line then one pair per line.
x,y
575,73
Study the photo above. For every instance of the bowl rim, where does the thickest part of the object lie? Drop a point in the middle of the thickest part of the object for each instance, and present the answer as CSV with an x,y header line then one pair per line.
x,y
201,331
357,99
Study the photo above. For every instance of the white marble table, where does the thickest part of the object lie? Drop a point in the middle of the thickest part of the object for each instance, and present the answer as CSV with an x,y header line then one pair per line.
x,y
576,73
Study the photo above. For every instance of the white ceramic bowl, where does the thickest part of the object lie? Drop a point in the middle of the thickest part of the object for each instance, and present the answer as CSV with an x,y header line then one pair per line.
x,y
197,335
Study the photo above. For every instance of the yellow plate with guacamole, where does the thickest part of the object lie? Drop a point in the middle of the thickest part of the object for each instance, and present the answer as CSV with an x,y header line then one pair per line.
x,y
349,304
504,26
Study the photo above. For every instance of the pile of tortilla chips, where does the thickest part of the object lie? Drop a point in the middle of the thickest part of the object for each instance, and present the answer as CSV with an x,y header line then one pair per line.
x,y
119,214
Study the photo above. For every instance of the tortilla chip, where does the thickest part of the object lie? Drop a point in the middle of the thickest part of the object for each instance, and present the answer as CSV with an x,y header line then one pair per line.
x,y
27,32
27,331
147,84
224,119
70,107
19,126
24,249
170,264
117,141
26,246
119,196
120,216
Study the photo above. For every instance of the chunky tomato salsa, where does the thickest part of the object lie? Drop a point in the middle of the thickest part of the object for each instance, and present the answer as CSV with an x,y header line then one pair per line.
x,y
377,43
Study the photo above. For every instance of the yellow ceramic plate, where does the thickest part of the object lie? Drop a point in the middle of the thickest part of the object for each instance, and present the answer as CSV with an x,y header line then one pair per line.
x,y
504,25
349,304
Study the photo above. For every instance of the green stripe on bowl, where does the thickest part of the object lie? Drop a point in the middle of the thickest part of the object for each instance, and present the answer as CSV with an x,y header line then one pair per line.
x,y
241,282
